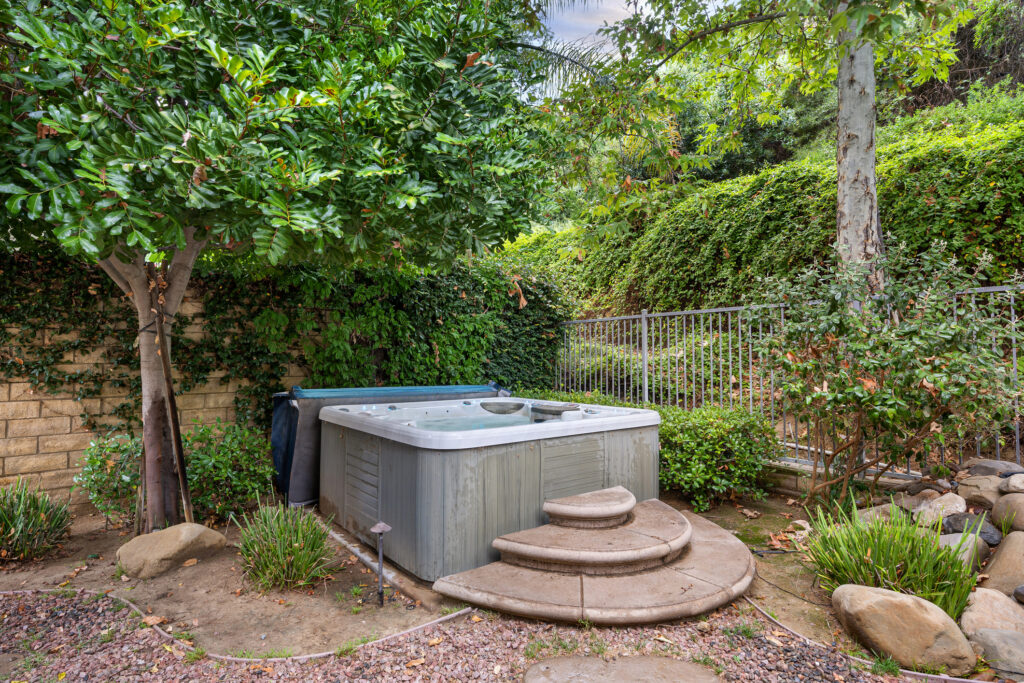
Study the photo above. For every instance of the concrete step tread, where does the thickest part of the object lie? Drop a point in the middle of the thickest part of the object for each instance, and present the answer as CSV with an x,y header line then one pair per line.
x,y
713,570
603,504
655,531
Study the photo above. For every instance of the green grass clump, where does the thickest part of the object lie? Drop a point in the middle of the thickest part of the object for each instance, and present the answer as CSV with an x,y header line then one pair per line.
x,y
895,553
30,523
283,547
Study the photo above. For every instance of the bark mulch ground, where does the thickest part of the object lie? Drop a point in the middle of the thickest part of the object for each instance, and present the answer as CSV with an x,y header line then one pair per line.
x,y
72,637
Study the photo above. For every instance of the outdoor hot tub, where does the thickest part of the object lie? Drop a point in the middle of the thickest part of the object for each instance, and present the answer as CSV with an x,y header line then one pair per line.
x,y
450,476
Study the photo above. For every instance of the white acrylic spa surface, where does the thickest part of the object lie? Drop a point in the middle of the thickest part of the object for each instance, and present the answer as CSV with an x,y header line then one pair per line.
x,y
470,423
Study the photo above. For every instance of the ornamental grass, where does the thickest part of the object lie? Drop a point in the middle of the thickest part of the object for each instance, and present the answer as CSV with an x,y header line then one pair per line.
x,y
895,553
283,547
30,523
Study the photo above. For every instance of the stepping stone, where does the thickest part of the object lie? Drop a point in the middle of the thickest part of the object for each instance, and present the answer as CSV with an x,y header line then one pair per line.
x,y
593,510
597,670
713,569
655,534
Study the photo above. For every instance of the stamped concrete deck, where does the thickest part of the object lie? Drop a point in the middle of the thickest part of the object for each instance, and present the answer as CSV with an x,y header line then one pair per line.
x,y
682,565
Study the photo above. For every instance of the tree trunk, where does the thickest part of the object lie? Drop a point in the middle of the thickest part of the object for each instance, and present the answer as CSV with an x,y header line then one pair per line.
x,y
858,233
162,491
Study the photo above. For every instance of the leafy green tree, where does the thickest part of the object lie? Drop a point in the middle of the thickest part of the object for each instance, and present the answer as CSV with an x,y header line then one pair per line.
x,y
142,134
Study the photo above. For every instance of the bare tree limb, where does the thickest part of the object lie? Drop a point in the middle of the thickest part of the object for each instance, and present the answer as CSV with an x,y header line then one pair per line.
x,y
180,269
112,270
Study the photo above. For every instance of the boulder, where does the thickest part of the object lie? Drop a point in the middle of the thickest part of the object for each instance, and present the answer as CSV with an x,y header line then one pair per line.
x,y
879,512
973,552
1018,594
1012,484
944,505
980,490
910,503
1006,568
965,521
150,555
1003,650
1009,510
987,608
911,630
983,466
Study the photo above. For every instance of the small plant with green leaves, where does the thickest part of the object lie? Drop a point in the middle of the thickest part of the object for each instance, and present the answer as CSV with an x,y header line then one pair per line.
x,y
893,553
355,591
31,525
351,646
284,547
195,655
1006,523
885,665
355,609
451,609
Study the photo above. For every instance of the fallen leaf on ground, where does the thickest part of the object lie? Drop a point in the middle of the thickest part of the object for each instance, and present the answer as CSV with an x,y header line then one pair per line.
x,y
190,562
153,620
415,662
435,641
750,514
475,618
792,501
238,592
774,641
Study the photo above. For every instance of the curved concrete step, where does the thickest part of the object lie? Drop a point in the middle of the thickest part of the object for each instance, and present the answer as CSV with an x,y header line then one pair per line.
x,y
713,570
594,510
655,534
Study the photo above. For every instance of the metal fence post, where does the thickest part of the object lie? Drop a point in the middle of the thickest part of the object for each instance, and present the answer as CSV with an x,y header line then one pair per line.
x,y
643,354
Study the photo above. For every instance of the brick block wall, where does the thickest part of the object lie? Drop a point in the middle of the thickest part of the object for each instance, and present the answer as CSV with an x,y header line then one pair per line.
x,y
42,438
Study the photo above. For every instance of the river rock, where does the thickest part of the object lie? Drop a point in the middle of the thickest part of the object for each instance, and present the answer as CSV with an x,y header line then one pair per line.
x,y
1006,568
150,555
980,490
910,629
965,521
1018,594
1012,484
973,552
911,503
987,608
879,512
983,466
1003,650
946,504
1009,510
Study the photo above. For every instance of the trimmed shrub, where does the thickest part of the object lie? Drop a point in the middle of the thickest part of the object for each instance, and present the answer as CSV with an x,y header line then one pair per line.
x,y
228,466
711,453
895,553
283,547
30,523
708,454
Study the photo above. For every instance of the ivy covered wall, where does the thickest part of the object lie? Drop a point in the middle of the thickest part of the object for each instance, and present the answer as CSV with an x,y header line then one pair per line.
x,y
68,360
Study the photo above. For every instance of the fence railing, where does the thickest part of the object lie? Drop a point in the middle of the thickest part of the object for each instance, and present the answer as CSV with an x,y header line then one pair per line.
x,y
708,357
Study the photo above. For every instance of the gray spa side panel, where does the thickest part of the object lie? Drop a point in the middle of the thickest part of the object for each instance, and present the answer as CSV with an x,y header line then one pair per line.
x,y
445,507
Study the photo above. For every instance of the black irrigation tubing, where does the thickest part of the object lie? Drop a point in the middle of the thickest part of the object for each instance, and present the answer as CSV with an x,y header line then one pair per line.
x,y
905,672
243,660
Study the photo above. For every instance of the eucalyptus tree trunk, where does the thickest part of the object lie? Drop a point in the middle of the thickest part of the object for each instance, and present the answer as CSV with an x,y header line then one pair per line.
x,y
858,233
161,480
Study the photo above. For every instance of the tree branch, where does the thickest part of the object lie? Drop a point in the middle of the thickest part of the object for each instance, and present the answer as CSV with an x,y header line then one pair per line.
x,y
180,269
700,35
128,277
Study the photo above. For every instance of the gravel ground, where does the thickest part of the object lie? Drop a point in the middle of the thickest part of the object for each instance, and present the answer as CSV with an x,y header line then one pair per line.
x,y
72,638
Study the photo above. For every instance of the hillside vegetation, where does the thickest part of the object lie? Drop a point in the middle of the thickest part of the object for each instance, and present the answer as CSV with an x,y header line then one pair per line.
x,y
953,173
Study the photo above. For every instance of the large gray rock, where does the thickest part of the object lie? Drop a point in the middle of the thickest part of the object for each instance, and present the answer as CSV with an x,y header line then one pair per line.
x,y
1003,650
1006,568
980,490
885,511
973,550
150,555
943,506
1009,510
984,466
965,521
911,630
1013,484
987,608
911,503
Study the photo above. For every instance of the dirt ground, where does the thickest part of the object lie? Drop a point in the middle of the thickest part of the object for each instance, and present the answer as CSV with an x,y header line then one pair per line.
x,y
212,605
785,586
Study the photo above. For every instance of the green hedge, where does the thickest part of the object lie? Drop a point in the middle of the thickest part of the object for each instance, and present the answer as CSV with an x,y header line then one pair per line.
x,y
953,174
479,321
